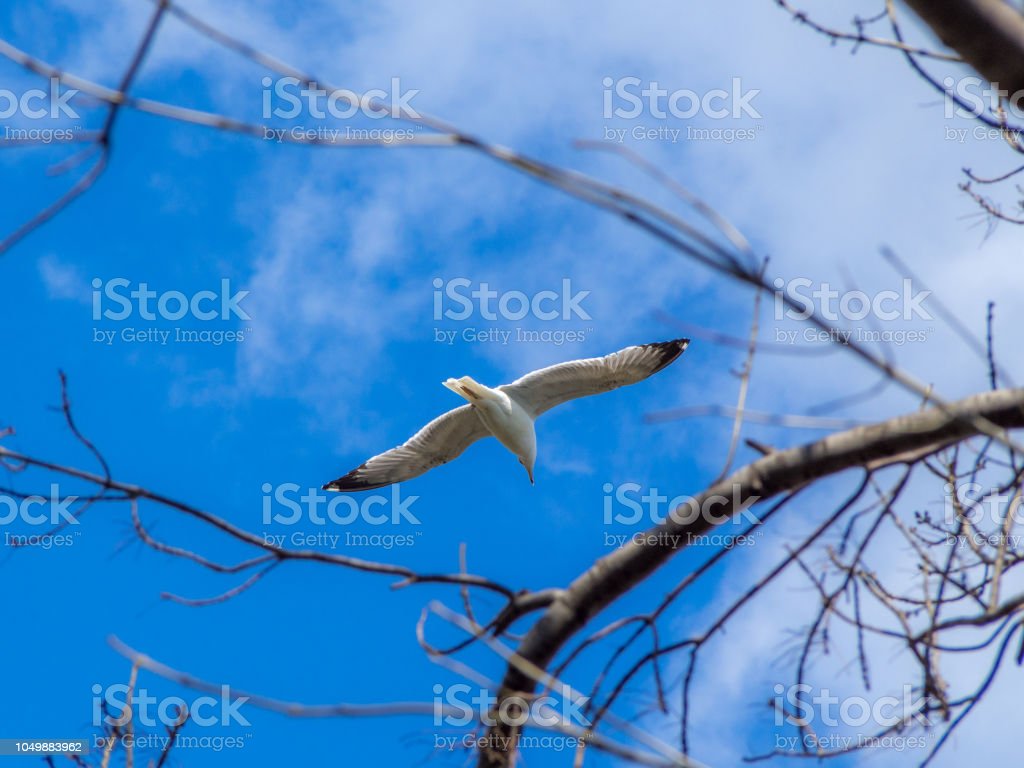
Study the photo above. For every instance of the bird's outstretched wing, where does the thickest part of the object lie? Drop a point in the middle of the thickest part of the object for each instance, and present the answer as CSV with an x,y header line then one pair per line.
x,y
542,390
437,443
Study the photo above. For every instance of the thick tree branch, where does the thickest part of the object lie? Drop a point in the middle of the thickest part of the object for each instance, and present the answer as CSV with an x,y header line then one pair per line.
x,y
988,34
615,574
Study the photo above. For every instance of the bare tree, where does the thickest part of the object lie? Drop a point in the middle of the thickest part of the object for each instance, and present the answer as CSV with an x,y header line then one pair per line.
x,y
959,602
986,37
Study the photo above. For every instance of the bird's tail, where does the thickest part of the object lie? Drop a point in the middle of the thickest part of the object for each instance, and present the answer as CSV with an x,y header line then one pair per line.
x,y
469,389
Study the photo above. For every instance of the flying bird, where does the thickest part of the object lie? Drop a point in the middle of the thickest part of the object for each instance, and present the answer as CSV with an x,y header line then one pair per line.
x,y
508,413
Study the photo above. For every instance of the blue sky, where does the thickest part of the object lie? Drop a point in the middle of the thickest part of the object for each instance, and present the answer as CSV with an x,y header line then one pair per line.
x,y
339,249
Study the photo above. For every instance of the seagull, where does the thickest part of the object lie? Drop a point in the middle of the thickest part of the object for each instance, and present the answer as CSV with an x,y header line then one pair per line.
x,y
508,413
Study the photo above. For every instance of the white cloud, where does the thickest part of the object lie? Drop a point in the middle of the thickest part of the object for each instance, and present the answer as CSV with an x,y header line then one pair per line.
x,y
852,156
63,280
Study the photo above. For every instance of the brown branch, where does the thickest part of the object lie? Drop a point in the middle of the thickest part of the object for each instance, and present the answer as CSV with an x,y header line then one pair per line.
x,y
615,574
137,492
988,35
103,140
737,263
859,38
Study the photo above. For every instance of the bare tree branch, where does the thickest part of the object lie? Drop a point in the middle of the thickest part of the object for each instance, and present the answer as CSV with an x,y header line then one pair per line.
x,y
988,35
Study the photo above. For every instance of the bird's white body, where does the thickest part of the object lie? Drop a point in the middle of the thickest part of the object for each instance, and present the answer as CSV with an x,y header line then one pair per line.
x,y
507,412
503,416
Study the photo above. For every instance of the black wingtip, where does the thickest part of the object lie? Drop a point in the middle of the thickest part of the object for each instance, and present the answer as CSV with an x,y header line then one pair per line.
x,y
348,484
352,481
668,351
347,481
